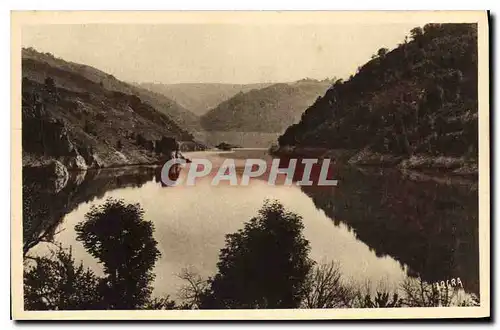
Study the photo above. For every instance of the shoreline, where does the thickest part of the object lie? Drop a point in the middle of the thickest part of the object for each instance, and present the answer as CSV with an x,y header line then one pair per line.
x,y
425,164
422,164
57,166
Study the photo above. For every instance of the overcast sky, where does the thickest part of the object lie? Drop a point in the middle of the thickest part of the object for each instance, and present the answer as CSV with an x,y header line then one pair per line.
x,y
217,53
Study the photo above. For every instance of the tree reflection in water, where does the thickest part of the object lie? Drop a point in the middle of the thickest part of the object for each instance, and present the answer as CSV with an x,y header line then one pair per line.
x,y
121,239
264,265
45,205
427,225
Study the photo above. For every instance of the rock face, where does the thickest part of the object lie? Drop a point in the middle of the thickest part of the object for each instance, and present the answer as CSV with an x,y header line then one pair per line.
x,y
91,159
77,162
49,137
72,119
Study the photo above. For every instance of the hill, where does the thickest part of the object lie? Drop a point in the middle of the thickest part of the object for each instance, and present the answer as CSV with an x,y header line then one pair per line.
x,y
269,109
81,123
200,98
415,105
180,115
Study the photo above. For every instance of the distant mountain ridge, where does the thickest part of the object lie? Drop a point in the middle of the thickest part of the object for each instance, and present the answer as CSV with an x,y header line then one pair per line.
x,y
200,97
271,109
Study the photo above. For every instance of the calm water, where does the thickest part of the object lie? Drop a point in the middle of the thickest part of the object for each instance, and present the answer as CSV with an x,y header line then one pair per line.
x,y
379,225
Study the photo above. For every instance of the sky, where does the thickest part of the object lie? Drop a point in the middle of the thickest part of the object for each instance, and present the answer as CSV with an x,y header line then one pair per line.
x,y
217,53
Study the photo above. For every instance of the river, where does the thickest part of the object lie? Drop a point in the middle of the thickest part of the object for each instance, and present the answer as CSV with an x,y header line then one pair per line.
x,y
379,225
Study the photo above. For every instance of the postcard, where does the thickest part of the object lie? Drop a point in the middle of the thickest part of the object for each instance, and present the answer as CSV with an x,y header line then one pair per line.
x,y
250,165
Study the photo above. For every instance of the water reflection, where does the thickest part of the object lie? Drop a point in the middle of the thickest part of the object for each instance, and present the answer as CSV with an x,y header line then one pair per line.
x,y
264,265
228,168
429,226
45,204
365,224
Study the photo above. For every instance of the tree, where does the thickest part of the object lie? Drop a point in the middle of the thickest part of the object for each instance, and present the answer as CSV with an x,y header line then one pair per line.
x,y
416,33
56,283
193,291
119,237
325,288
90,127
263,265
140,140
382,52
381,300
418,293
160,304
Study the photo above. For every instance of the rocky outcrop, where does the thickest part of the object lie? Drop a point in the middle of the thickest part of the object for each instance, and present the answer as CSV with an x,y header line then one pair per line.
x,y
91,159
49,138
54,129
84,120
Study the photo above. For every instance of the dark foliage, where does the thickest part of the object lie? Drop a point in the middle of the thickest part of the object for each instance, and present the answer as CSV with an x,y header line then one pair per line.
x,y
118,236
325,288
225,146
426,225
47,200
420,98
382,300
56,283
264,265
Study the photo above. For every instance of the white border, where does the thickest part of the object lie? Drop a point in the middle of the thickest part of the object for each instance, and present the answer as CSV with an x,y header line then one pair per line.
x,y
214,4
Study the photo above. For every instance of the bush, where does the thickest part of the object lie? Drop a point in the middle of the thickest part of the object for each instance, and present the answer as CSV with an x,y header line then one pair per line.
x,y
263,265
117,235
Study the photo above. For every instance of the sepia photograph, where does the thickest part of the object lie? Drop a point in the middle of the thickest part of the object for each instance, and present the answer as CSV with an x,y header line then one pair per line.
x,y
250,165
